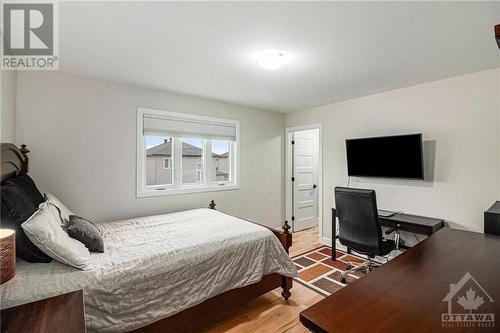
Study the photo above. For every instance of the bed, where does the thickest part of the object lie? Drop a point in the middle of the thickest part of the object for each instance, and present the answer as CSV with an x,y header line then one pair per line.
x,y
170,273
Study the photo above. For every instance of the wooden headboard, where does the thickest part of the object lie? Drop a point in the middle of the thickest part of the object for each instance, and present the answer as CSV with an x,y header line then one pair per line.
x,y
14,160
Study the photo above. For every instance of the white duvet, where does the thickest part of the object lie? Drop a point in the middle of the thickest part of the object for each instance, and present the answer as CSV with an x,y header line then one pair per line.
x,y
156,266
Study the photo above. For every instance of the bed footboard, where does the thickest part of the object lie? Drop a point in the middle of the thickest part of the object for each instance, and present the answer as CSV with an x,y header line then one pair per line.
x,y
285,238
212,309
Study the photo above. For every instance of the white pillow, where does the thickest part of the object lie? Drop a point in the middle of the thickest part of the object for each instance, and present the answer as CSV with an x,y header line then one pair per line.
x,y
64,211
44,230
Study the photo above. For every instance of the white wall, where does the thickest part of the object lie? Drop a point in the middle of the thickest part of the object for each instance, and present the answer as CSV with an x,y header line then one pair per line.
x,y
460,122
8,106
81,133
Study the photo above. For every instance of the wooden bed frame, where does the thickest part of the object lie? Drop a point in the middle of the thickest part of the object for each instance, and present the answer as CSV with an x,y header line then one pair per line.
x,y
15,160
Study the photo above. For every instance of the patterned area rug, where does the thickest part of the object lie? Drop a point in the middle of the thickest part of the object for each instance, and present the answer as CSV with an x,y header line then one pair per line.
x,y
319,272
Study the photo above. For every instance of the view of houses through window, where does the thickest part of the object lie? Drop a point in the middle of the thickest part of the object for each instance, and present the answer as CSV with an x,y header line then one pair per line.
x,y
160,160
221,160
185,153
159,171
192,158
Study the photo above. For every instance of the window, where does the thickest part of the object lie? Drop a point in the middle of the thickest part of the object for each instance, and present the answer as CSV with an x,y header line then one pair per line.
x,y
167,163
221,157
192,160
199,173
158,156
183,153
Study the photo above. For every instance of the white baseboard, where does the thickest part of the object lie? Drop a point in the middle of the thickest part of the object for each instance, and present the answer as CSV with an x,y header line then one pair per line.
x,y
326,241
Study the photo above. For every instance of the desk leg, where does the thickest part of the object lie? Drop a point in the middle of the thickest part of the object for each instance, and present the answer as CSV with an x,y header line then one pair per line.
x,y
334,234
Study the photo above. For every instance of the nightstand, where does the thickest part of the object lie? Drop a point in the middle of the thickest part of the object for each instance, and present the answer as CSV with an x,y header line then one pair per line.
x,y
63,313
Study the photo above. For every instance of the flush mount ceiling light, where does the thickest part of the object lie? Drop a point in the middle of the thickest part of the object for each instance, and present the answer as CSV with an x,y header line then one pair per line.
x,y
271,59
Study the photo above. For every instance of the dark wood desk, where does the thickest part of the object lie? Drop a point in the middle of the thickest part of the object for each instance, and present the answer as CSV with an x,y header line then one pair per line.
x,y
405,222
406,294
63,313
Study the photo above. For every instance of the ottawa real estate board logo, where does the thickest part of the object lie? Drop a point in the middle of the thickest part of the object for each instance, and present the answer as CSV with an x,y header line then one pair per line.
x,y
30,35
469,305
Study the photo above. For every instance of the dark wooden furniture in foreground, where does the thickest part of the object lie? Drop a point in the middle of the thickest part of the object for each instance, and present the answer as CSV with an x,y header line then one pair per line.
x,y
404,222
59,314
492,219
408,293
7,255
14,160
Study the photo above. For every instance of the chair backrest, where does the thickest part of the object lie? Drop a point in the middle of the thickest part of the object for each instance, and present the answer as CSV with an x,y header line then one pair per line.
x,y
359,226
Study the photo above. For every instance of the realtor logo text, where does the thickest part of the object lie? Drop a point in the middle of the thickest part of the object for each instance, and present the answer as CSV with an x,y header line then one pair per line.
x,y
30,36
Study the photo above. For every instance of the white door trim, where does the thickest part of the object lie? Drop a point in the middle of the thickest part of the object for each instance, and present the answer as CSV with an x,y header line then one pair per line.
x,y
288,182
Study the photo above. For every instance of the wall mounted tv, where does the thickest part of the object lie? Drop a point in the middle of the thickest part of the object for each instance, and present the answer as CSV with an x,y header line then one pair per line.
x,y
397,156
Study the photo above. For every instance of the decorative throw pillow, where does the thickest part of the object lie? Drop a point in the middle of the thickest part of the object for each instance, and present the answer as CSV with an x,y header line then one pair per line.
x,y
25,183
15,208
45,231
86,232
64,212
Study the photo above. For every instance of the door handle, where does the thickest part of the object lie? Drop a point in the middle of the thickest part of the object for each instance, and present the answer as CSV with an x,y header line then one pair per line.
x,y
314,186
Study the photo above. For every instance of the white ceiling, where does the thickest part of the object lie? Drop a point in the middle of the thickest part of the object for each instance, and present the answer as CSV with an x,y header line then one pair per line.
x,y
339,50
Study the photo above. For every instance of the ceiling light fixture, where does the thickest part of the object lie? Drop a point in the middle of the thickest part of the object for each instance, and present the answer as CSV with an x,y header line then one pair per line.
x,y
271,59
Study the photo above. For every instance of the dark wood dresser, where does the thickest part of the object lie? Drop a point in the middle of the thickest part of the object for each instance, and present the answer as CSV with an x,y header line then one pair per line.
x,y
63,313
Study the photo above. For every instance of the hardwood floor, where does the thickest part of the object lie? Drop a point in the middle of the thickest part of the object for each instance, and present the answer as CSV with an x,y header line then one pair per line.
x,y
269,313
304,241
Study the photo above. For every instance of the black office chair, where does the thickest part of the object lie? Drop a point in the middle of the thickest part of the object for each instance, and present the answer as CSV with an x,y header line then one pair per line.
x,y
359,227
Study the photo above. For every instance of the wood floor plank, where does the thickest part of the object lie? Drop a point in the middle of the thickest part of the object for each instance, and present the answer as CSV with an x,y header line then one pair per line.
x,y
304,241
269,313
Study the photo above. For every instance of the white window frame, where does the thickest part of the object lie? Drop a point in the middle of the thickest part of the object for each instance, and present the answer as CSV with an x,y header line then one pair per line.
x,y
231,166
169,159
196,182
200,172
206,185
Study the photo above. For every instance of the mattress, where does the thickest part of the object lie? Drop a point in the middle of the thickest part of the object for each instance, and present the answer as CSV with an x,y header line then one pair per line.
x,y
156,266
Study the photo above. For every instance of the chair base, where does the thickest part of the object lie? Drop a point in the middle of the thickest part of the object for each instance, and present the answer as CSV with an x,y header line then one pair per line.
x,y
366,266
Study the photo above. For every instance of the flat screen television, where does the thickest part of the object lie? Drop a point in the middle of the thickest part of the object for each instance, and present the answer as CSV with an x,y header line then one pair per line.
x,y
397,156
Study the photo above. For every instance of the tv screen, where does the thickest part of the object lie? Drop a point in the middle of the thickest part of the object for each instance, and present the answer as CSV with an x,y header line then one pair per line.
x,y
389,156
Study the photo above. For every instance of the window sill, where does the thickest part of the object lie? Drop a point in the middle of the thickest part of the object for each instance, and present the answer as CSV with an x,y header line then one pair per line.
x,y
185,190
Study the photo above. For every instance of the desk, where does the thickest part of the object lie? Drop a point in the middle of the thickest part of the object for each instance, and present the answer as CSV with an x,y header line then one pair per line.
x,y
407,294
405,222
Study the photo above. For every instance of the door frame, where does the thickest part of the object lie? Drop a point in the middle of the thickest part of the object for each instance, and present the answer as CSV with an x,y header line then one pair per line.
x,y
288,172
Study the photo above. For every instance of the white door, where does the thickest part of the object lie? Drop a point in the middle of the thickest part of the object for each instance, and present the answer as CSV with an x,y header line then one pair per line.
x,y
305,179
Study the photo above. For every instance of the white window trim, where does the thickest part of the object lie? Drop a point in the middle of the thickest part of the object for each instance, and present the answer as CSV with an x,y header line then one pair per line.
x,y
196,183
199,171
232,152
143,191
169,163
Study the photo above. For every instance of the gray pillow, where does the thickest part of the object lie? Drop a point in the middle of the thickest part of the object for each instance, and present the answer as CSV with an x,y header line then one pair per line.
x,y
86,232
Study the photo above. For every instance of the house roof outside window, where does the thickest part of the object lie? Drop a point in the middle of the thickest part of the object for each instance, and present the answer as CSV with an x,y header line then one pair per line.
x,y
165,149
